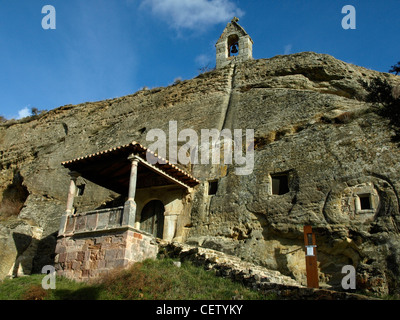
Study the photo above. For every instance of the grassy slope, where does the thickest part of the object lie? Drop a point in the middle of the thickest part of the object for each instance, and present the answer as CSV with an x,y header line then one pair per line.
x,y
151,279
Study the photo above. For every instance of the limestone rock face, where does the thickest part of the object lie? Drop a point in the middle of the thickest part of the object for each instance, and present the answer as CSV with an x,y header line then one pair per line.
x,y
311,126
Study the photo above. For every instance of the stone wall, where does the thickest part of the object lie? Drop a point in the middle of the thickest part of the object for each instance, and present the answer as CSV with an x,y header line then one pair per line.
x,y
86,256
250,275
176,205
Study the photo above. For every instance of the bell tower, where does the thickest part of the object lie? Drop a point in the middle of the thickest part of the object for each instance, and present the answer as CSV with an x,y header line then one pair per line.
x,y
234,45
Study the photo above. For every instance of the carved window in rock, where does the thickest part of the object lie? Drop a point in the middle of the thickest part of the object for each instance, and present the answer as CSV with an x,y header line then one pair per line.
x,y
365,201
279,183
233,45
80,189
212,187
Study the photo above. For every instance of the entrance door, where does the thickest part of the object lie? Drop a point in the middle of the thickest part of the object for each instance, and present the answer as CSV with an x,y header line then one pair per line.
x,y
152,218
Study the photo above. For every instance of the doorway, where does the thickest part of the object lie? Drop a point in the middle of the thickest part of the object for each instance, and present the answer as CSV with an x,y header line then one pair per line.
x,y
152,218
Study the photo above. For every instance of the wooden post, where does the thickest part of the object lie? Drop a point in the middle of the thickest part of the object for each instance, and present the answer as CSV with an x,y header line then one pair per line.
x,y
311,258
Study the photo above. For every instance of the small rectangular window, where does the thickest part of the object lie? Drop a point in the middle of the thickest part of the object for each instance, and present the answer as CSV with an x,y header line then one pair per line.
x,y
212,187
80,190
280,184
365,202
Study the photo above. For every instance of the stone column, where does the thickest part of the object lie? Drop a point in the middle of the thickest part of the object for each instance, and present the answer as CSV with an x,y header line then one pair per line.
x,y
222,53
129,215
169,226
70,201
246,49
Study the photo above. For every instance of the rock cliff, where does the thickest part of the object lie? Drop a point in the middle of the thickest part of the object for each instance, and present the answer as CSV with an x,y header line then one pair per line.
x,y
312,127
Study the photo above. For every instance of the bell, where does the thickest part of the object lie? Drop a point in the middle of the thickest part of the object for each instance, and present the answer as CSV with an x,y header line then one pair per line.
x,y
234,49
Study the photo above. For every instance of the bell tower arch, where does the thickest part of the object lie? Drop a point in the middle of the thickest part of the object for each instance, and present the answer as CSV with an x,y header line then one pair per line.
x,y
234,45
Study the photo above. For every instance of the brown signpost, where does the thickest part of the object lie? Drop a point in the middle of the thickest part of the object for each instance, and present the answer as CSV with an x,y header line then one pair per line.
x,y
311,258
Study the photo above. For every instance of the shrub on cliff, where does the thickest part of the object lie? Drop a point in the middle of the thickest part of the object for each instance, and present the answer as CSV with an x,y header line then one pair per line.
x,y
396,68
386,99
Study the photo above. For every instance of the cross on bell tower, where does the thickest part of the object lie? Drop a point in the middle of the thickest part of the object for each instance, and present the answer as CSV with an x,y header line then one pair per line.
x,y
234,45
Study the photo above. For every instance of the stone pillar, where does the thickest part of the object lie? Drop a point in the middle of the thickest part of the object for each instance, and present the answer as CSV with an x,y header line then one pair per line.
x,y
129,215
222,53
169,226
245,49
70,201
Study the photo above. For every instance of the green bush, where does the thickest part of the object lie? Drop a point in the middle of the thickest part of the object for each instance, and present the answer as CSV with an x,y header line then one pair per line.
x,y
387,104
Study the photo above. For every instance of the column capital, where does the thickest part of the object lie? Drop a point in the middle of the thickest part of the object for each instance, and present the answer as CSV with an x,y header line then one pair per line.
x,y
74,175
134,158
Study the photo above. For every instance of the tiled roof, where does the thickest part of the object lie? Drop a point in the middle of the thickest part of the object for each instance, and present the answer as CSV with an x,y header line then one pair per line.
x,y
121,153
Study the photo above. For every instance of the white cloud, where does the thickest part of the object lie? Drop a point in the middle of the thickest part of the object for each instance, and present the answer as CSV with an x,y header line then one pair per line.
x,y
288,49
203,60
192,14
25,112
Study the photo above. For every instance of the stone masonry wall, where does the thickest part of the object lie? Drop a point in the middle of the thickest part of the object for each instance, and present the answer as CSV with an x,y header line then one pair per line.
x,y
86,256
250,275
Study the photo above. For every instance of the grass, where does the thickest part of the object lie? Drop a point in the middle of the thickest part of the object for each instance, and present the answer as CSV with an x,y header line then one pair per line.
x,y
30,288
147,280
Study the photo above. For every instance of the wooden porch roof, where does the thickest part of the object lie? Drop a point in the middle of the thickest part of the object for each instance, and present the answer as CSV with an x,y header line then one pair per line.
x,y
111,169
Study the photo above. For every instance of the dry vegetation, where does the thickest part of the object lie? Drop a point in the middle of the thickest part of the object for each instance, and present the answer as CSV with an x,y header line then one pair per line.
x,y
10,208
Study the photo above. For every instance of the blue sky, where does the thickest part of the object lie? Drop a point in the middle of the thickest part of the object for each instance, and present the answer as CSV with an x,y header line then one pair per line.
x,y
103,49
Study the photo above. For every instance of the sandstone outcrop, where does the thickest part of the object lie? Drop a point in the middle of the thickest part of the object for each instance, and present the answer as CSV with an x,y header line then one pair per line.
x,y
311,125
